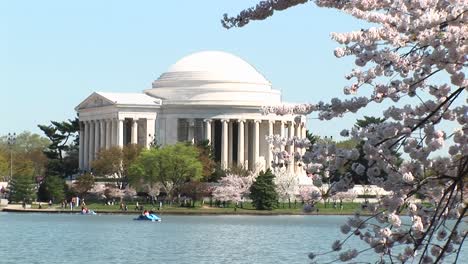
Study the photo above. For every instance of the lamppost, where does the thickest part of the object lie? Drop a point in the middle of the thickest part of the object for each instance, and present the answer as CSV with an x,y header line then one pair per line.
x,y
11,139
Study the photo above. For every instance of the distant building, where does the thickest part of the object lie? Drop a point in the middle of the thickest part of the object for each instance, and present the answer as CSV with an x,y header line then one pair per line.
x,y
208,95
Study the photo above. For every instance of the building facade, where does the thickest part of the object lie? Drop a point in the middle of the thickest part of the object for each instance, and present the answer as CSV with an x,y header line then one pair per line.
x,y
208,95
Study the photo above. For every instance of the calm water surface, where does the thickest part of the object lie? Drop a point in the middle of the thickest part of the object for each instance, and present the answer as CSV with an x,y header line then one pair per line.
x,y
66,238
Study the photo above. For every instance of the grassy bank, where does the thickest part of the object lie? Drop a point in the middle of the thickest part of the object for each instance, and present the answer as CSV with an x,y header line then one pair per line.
x,y
199,209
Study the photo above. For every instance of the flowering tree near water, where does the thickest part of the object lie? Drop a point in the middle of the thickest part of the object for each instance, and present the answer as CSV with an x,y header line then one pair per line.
x,y
233,187
412,44
287,184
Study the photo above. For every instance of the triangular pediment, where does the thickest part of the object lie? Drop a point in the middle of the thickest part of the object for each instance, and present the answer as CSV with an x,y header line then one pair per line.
x,y
93,101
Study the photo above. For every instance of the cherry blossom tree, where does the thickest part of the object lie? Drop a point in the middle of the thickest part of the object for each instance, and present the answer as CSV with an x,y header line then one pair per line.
x,y
98,191
310,194
287,184
415,57
233,187
129,193
152,190
113,192
343,196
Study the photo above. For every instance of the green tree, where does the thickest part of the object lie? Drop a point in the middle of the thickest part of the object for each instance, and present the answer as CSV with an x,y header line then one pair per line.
x,y
27,155
218,173
52,188
4,165
238,170
263,191
63,149
115,162
22,188
206,158
83,184
363,123
347,144
368,120
171,166
312,138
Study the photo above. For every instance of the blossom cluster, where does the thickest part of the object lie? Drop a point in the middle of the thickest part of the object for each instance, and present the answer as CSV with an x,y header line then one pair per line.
x,y
403,60
233,187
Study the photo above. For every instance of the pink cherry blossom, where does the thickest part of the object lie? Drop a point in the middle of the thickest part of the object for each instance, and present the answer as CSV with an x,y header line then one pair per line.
x,y
412,61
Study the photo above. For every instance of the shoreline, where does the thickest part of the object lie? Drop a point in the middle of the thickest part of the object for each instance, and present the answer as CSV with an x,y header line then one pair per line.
x,y
174,212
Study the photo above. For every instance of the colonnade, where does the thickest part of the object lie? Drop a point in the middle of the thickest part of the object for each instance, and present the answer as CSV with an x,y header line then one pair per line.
x,y
249,149
100,134
244,150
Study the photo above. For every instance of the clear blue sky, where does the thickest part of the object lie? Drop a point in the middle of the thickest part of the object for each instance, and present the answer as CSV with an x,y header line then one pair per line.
x,y
56,53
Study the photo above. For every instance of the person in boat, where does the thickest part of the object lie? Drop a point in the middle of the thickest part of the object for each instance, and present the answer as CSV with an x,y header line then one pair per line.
x,y
84,210
145,213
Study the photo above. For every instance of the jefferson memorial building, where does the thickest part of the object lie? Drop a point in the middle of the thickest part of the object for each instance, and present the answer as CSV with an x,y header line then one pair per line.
x,y
208,95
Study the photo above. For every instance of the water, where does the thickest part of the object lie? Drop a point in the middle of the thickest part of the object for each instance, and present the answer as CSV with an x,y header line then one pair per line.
x,y
67,238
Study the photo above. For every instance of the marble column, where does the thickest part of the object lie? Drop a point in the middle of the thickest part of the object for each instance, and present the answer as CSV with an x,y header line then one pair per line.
x,y
86,145
120,133
240,142
102,140
291,134
96,139
208,130
256,143
291,147
230,143
297,134
282,130
224,144
270,153
213,132
91,142
80,150
191,131
150,132
246,145
108,133
134,136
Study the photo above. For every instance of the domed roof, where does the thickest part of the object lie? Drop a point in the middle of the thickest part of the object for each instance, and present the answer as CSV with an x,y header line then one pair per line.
x,y
213,78
211,67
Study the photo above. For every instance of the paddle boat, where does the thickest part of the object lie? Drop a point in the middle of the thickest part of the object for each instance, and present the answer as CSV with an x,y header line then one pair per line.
x,y
148,217
88,212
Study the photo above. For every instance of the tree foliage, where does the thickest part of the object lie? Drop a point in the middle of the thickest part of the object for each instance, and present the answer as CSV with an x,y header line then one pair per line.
x,y
63,149
196,190
233,187
22,189
26,154
171,166
263,191
287,184
206,158
311,137
115,162
83,184
52,188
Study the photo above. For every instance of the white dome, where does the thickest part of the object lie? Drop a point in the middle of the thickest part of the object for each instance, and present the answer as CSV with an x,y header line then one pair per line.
x,y
211,67
213,78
